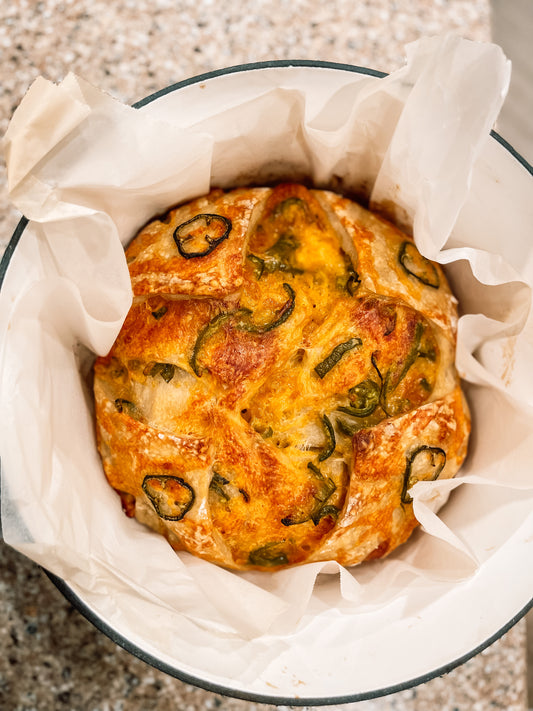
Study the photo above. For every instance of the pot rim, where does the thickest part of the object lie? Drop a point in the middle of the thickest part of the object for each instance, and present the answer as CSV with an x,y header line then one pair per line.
x,y
120,639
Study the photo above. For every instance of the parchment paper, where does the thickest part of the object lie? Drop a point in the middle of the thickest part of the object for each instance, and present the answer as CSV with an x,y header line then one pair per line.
x,y
88,172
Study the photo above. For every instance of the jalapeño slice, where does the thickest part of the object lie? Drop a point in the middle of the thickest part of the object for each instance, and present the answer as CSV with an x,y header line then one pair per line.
x,y
217,484
336,354
165,370
330,439
418,266
320,507
425,463
200,235
278,258
160,312
170,496
364,398
209,330
127,408
284,207
269,555
259,265
350,281
243,321
281,316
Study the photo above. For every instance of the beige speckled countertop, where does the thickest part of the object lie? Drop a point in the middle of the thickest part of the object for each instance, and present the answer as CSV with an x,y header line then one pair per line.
x,y
51,658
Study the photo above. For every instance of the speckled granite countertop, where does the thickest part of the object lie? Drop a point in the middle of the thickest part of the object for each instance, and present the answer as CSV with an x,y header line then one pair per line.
x,y
51,658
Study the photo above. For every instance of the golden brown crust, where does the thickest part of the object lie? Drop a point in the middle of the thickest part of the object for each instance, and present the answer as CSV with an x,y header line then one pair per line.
x,y
378,244
378,516
156,267
271,399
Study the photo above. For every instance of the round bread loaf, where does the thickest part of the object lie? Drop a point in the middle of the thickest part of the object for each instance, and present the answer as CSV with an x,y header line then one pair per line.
x,y
284,376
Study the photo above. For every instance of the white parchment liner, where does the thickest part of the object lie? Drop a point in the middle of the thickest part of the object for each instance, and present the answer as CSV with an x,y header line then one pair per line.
x,y
88,172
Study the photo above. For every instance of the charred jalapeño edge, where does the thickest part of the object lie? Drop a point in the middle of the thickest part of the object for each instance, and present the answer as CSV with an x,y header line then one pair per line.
x,y
182,507
437,460
182,237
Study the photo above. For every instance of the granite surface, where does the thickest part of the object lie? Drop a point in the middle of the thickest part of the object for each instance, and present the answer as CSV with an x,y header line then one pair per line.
x,y
51,658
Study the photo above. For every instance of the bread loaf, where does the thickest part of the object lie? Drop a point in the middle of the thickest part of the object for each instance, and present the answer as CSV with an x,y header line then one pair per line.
x,y
284,376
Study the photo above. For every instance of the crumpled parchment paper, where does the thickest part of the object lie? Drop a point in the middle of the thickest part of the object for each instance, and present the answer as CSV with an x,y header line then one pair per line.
x,y
88,171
